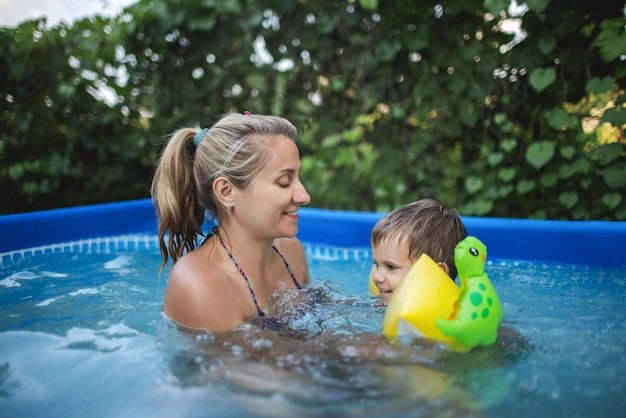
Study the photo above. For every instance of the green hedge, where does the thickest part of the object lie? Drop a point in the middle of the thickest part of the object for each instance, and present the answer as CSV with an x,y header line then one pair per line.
x,y
393,100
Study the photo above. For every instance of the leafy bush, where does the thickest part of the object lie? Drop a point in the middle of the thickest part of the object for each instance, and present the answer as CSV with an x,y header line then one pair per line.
x,y
394,101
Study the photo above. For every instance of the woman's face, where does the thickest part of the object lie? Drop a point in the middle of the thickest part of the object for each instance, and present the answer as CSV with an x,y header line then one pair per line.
x,y
269,205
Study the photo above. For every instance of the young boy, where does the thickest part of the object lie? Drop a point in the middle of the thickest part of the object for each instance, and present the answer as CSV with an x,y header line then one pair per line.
x,y
402,235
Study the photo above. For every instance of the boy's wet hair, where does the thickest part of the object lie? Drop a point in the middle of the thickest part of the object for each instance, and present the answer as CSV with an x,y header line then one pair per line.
x,y
428,228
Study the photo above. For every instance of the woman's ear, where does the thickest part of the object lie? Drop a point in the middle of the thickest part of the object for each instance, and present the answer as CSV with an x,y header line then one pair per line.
x,y
223,190
444,267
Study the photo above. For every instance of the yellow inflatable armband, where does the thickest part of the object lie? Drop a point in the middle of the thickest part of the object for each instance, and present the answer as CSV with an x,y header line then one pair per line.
x,y
425,294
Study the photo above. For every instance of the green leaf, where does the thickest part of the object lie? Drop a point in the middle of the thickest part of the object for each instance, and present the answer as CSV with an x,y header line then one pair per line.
x,y
343,157
568,199
400,188
548,179
566,171
507,127
337,85
380,192
612,40
494,159
508,145
418,39
505,190
326,25
499,118
615,177
568,152
525,186
160,10
547,44
331,141
66,90
506,174
539,153
616,116
202,24
542,78
397,113
495,6
228,6
352,135
473,184
16,171
611,200
387,51
557,118
578,213
369,4
537,6
608,153
478,207
483,207
598,85
581,165
539,214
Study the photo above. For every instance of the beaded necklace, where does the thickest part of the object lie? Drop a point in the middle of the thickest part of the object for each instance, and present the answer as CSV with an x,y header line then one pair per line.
x,y
243,274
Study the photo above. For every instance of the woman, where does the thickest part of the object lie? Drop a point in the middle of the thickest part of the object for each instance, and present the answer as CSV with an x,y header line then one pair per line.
x,y
244,172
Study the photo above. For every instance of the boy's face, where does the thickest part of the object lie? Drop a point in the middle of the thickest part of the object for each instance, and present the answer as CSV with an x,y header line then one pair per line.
x,y
391,264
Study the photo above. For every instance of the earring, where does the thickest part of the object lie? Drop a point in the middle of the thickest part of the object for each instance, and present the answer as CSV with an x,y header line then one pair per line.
x,y
229,209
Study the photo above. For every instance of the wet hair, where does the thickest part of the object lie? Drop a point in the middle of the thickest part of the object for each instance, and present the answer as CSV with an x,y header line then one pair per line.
x,y
429,228
235,147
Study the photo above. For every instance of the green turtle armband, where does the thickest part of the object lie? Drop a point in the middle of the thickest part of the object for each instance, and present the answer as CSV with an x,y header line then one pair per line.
x,y
477,312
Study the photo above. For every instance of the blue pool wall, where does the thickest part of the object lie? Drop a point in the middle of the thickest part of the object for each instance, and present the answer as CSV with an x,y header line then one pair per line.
x,y
595,243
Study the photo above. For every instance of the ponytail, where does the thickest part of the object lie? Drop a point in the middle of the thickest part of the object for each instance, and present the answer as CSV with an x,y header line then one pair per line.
x,y
174,193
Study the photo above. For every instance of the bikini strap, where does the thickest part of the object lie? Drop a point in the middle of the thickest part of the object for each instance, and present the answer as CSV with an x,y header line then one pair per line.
x,y
245,277
243,274
293,277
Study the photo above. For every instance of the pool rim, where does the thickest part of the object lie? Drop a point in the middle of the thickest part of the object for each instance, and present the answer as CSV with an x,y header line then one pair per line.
x,y
593,243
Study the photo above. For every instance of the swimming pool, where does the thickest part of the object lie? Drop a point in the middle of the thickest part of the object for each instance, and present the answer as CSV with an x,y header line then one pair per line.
x,y
81,332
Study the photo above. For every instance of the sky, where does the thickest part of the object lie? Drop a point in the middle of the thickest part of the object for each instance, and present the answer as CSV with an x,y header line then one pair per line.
x,y
13,12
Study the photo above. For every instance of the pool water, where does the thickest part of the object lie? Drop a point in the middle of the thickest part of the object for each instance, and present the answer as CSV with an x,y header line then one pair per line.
x,y
81,334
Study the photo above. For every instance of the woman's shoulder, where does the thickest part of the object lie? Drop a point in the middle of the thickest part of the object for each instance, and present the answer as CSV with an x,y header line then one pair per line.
x,y
188,267
197,294
198,269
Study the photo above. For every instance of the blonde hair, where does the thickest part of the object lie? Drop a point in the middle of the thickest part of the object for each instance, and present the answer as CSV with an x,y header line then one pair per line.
x,y
429,228
235,147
